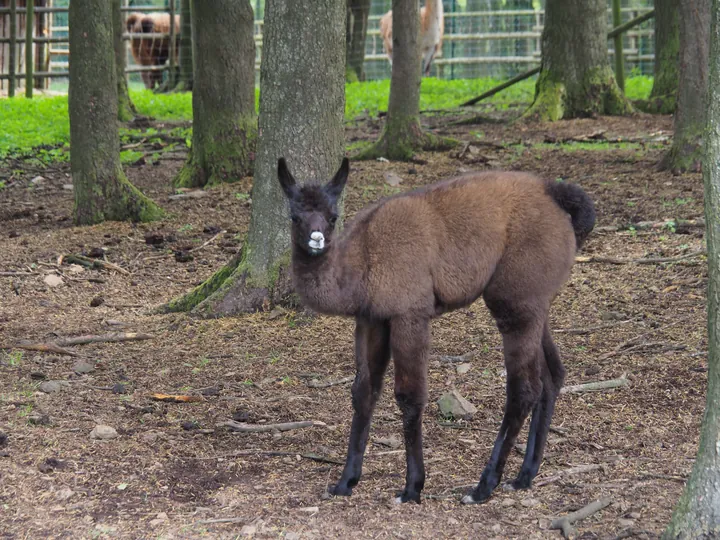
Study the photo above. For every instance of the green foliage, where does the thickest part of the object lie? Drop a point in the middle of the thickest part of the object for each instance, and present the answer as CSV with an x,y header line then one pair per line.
x,y
29,123
638,87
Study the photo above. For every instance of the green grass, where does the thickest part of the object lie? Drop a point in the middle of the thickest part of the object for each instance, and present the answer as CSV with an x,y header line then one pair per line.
x,y
43,121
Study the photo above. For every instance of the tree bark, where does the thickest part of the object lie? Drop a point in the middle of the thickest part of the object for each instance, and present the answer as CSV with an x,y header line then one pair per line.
x,y
224,120
101,190
403,136
667,50
697,514
576,79
301,118
185,71
126,108
686,151
357,23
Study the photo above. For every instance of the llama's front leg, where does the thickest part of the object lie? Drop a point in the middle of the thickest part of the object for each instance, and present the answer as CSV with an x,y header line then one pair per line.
x,y
372,354
410,341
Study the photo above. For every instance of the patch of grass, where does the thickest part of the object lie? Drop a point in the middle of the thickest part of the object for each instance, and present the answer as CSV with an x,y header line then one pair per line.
x,y
638,87
14,358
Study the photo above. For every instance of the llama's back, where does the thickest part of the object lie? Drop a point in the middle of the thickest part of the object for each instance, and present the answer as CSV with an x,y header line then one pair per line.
x,y
441,245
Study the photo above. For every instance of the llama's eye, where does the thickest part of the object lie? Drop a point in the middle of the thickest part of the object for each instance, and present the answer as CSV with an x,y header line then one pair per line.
x,y
333,219
295,219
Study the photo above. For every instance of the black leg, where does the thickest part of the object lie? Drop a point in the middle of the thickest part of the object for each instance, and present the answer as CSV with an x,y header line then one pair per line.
x,y
521,344
372,354
410,341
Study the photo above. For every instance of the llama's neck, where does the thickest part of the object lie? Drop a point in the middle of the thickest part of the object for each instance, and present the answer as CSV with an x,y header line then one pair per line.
x,y
433,11
326,283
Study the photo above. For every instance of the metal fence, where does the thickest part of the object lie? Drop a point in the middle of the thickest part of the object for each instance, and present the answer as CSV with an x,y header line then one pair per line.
x,y
483,38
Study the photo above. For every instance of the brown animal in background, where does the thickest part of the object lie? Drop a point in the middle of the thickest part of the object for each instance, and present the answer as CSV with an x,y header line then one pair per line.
x,y
508,236
151,51
432,29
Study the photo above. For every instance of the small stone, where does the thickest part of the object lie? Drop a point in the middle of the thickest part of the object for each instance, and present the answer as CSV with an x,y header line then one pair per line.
x,y
64,494
119,388
39,419
149,438
507,502
38,376
452,404
211,229
310,509
241,416
622,522
289,535
82,368
462,369
50,387
76,269
97,301
103,432
96,253
3,439
210,391
393,441
453,521
633,515
67,187
154,239
496,528
529,503
592,370
190,425
276,313
37,181
183,256
161,518
412,170
393,179
52,280
248,530
13,234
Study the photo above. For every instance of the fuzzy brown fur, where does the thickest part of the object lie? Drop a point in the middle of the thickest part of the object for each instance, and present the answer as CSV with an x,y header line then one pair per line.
x,y
151,51
508,236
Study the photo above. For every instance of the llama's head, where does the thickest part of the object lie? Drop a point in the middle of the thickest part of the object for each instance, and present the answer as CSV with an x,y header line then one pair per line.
x,y
313,208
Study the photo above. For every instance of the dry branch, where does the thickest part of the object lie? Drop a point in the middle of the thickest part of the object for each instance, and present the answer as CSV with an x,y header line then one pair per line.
x,y
221,520
94,263
273,453
595,386
16,274
650,260
565,523
44,347
580,469
327,384
242,427
112,337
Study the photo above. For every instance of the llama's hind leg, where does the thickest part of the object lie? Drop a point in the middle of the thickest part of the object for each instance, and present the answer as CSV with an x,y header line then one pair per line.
x,y
372,354
410,341
521,343
554,376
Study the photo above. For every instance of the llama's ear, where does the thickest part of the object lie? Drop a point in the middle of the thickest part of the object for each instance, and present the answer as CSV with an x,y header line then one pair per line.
x,y
287,182
337,184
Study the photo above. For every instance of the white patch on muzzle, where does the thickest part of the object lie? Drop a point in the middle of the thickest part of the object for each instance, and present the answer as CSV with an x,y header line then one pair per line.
x,y
317,241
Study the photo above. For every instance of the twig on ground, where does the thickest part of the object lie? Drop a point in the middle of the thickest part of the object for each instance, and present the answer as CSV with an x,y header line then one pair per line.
x,y
678,224
112,337
469,428
625,349
207,243
650,260
580,469
221,520
242,427
197,194
273,453
595,386
565,523
327,384
680,479
590,329
94,263
44,347
17,274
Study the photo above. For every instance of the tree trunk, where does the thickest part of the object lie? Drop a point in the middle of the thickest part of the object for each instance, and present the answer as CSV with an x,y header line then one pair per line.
x,y
357,23
685,153
101,190
667,49
576,78
301,118
224,120
126,108
403,136
697,514
185,72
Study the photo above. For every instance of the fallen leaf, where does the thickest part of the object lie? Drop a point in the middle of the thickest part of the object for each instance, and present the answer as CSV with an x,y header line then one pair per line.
x,y
176,398
393,179
122,487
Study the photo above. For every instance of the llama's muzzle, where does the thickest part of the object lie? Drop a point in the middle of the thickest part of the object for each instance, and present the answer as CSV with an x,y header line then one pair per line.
x,y
317,241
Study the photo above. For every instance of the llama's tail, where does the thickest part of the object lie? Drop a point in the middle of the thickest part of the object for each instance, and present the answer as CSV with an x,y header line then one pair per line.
x,y
575,202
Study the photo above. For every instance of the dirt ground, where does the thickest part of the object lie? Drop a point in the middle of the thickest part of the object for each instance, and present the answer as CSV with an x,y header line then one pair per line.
x,y
172,473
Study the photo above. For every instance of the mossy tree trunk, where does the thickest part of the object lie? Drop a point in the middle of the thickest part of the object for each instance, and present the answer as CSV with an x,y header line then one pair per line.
x,y
686,150
185,68
576,79
697,514
126,108
101,190
224,120
403,135
356,32
667,50
301,118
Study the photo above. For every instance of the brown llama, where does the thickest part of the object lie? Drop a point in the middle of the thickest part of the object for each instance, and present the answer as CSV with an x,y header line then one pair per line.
x,y
151,51
432,29
508,236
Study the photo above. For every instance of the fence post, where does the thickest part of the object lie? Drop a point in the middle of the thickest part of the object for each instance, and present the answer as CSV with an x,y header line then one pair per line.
x,y
618,40
29,64
173,49
12,48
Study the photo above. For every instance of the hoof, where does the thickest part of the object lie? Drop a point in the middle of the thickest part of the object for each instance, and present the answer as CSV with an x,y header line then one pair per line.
x,y
407,497
476,497
342,491
523,481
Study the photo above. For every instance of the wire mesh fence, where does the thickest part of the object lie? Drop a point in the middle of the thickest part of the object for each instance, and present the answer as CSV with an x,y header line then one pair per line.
x,y
482,38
